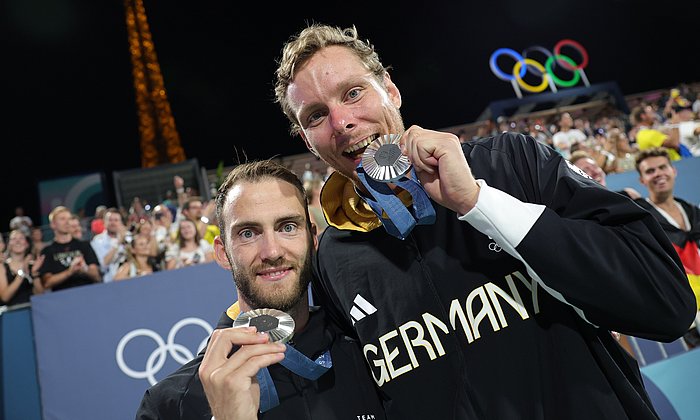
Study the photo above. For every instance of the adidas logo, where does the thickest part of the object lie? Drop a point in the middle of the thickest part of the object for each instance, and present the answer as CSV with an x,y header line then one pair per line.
x,y
361,309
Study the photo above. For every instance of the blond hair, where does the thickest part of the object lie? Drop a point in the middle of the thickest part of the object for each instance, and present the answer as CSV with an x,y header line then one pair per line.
x,y
309,41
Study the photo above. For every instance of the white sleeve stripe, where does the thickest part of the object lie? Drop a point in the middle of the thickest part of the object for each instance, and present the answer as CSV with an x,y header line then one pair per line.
x,y
507,220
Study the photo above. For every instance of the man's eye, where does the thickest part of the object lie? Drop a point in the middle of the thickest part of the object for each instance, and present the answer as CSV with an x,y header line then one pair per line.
x,y
289,228
245,234
354,93
313,118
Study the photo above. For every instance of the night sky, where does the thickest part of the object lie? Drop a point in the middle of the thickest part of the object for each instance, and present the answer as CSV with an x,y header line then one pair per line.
x,y
69,99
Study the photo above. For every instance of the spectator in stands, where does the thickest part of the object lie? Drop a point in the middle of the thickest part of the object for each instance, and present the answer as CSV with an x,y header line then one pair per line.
x,y
19,279
603,159
146,228
683,120
587,164
567,136
97,225
37,241
174,200
193,209
618,144
139,260
582,160
68,262
110,245
584,125
181,192
313,192
21,221
189,248
537,130
647,136
137,212
162,220
209,221
76,227
679,218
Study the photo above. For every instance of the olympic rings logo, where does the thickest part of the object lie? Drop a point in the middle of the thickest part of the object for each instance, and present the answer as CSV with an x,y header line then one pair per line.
x,y
157,358
525,64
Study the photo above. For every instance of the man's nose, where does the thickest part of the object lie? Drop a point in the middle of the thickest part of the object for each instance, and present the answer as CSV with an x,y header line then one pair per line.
x,y
270,249
341,119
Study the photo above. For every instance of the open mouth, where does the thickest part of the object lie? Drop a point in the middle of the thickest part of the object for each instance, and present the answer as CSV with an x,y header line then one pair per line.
x,y
356,150
273,275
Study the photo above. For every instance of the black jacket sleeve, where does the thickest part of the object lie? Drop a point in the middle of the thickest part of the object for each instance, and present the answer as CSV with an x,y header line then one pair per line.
x,y
598,250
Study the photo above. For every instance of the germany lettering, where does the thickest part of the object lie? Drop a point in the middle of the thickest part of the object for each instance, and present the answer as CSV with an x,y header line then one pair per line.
x,y
484,308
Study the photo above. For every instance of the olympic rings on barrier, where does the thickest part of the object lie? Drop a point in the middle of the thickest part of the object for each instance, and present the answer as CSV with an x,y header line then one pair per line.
x,y
524,64
157,358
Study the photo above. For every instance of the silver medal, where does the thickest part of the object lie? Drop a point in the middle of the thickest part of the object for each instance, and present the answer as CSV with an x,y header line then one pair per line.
x,y
383,160
277,324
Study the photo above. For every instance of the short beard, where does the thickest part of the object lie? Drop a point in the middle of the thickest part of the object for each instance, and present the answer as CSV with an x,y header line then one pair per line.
x,y
283,301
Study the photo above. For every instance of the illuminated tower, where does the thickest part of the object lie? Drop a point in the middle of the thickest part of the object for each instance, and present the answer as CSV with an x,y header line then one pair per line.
x,y
160,141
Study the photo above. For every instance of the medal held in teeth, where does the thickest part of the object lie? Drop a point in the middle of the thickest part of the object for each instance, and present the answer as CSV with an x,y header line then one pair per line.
x,y
277,324
383,160
383,163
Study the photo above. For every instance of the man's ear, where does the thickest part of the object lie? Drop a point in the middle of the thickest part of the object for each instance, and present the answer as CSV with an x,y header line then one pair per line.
x,y
220,254
392,90
314,234
308,145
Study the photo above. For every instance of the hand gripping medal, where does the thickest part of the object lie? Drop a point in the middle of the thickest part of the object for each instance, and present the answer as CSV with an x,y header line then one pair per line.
x,y
382,163
280,328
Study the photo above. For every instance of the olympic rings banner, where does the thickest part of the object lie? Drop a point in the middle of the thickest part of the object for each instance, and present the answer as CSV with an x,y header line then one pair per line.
x,y
524,63
100,346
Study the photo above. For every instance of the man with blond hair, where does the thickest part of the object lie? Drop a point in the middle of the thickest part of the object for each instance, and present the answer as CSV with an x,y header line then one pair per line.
x,y
68,262
499,304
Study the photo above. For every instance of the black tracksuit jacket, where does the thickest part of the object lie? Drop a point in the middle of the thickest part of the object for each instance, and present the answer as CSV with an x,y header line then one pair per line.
x,y
346,391
513,321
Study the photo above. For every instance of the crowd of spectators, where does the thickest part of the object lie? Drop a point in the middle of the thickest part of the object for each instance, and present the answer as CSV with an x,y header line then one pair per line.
x,y
612,137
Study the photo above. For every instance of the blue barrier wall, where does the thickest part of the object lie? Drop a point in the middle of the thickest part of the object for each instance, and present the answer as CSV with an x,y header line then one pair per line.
x,y
100,346
20,386
677,378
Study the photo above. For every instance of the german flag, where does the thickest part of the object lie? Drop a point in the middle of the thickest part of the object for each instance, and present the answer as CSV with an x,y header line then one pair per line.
x,y
690,257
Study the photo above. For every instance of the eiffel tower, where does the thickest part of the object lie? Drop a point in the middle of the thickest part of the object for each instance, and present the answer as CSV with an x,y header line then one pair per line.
x,y
159,139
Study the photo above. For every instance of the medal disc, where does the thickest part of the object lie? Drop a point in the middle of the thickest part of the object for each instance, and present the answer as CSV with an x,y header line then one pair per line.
x,y
383,160
277,324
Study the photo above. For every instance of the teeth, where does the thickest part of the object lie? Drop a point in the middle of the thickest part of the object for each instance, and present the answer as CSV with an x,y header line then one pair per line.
x,y
274,273
364,143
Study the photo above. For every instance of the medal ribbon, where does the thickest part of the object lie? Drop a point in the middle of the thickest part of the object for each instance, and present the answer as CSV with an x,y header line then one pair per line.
x,y
298,363
400,220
